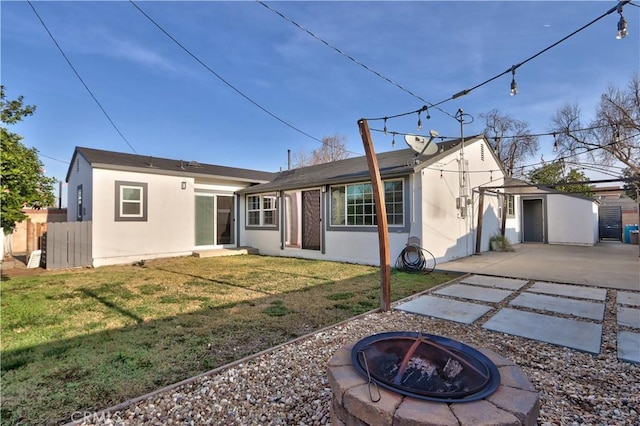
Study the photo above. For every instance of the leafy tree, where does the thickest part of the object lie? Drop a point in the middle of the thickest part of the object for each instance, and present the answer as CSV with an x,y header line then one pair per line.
x,y
333,149
613,135
555,175
513,150
21,171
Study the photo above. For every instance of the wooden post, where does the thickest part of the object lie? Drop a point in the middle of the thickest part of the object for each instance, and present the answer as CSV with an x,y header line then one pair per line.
x,y
381,216
480,216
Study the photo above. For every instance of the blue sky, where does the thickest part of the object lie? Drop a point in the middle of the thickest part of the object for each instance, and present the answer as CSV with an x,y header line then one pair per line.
x,y
166,104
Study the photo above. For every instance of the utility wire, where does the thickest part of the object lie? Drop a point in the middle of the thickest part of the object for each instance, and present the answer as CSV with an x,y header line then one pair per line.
x,y
232,87
80,78
352,59
51,158
501,137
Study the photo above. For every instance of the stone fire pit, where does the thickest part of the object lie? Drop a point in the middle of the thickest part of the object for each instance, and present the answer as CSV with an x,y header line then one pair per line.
x,y
515,401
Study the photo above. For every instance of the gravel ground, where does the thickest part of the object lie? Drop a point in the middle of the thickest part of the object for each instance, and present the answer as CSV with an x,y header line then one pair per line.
x,y
288,386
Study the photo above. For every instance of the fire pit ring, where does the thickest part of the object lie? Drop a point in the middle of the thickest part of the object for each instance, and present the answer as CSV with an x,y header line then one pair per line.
x,y
425,366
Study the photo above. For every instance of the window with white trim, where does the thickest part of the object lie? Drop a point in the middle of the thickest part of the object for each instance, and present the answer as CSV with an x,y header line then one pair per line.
x,y
262,210
131,201
511,208
353,204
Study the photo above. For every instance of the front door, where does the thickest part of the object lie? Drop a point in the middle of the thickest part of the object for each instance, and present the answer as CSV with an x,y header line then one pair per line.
x,y
214,220
311,220
532,218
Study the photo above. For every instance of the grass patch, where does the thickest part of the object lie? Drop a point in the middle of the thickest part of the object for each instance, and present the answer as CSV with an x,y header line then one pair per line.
x,y
339,296
92,338
277,309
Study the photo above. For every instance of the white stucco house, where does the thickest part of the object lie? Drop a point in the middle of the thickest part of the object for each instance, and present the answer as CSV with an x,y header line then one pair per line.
x,y
326,211
142,207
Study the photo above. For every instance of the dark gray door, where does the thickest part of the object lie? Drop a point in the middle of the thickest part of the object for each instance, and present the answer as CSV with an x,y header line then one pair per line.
x,y
311,220
532,222
610,222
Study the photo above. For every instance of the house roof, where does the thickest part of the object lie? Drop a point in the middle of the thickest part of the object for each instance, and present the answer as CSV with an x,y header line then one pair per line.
x,y
148,164
520,187
391,164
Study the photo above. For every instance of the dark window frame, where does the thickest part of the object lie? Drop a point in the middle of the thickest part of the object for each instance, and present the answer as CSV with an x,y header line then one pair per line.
x,y
79,203
119,215
401,213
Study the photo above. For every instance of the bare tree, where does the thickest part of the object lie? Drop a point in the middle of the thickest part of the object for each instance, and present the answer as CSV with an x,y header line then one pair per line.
x,y
613,135
333,149
511,139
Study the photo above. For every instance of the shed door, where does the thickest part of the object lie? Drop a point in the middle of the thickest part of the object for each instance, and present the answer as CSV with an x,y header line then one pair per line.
x,y
610,222
533,230
311,220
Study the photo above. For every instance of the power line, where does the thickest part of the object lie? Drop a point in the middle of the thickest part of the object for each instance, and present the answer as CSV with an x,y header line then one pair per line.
x,y
51,158
219,77
80,78
352,59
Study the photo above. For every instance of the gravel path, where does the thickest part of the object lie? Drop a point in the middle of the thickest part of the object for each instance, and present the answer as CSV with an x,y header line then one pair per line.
x,y
288,386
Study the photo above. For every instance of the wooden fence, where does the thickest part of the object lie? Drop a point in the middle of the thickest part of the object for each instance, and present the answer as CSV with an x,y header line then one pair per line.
x,y
67,245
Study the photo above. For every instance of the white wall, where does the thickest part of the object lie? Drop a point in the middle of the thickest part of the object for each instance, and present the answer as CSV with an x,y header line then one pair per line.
x,y
445,233
571,220
168,230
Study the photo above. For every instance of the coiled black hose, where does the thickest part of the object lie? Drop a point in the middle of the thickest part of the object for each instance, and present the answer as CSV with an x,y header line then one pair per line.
x,y
415,259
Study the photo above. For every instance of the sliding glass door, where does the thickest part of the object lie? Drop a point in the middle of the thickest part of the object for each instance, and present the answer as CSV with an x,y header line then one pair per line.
x,y
214,220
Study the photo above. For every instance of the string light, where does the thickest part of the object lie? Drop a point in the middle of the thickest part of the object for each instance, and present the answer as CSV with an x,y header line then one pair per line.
x,y
514,85
622,25
393,140
555,143
419,120
385,126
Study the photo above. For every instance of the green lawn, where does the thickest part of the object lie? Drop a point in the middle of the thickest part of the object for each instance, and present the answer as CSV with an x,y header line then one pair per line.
x,y
91,338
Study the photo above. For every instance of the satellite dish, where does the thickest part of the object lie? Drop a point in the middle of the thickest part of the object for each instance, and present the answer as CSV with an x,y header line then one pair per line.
x,y
422,145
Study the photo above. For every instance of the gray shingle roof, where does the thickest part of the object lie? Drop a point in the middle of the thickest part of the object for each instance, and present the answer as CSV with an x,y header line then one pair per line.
x,y
391,164
141,163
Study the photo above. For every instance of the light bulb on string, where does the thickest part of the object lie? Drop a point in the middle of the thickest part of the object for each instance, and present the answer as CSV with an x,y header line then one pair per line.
x,y
385,126
419,121
393,140
555,143
622,25
514,85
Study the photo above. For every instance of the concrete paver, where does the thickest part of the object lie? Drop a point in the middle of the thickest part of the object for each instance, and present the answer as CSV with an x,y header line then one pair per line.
x,y
499,282
473,292
581,335
448,309
626,298
556,300
579,308
629,346
569,290
629,317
